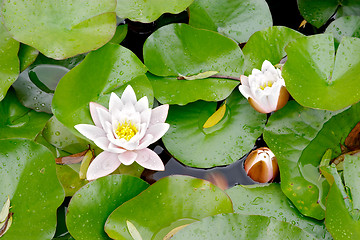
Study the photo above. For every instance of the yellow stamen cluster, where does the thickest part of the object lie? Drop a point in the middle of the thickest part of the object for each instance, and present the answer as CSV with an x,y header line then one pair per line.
x,y
267,84
126,130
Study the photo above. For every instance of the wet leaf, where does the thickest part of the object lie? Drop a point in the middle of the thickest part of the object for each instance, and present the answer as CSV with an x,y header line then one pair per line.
x,y
133,231
199,75
216,117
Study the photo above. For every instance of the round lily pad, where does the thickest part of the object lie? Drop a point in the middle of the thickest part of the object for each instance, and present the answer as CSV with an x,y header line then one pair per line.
x,y
316,78
268,200
167,204
299,137
17,121
222,144
61,29
109,69
92,204
9,62
28,177
267,44
235,19
147,11
237,226
344,26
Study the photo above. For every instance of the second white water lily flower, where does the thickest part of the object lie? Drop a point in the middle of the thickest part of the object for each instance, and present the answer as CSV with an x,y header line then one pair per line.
x,y
124,131
265,89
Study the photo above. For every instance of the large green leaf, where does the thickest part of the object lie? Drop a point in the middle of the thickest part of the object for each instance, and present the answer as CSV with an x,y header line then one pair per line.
x,y
299,137
269,200
267,44
170,90
222,144
237,19
17,121
9,62
27,175
147,11
344,26
93,203
316,79
169,203
318,12
27,56
237,226
181,50
106,70
61,29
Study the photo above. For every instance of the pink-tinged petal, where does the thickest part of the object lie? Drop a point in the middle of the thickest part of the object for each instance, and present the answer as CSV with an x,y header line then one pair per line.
x,y
115,149
103,116
102,142
149,159
142,104
245,91
94,113
244,80
258,107
124,144
90,131
127,157
146,141
115,102
129,95
146,116
159,114
104,164
158,130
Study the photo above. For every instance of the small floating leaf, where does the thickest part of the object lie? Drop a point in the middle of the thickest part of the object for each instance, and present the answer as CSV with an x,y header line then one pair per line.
x,y
216,117
133,231
85,164
199,76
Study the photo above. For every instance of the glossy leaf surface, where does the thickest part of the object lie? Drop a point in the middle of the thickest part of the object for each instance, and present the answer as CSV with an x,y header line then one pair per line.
x,y
221,144
169,203
27,175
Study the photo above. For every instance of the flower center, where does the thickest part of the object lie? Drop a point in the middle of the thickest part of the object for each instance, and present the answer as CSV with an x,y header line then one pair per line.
x,y
266,84
126,130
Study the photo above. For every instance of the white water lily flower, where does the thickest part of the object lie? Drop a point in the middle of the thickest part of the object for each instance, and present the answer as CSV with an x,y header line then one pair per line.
x,y
124,131
265,89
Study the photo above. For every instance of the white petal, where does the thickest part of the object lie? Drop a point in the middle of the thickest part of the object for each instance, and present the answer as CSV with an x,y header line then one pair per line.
x,y
102,142
145,141
142,104
158,130
94,113
104,164
159,114
267,66
127,157
103,116
244,80
129,95
124,144
115,149
149,159
245,91
90,131
146,116
115,103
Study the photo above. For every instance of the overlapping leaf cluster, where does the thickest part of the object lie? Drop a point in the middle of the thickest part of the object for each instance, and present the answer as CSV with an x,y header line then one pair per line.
x,y
57,56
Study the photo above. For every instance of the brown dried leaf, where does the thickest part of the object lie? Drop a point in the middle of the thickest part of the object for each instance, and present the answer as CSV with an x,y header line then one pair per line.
x,y
71,159
352,141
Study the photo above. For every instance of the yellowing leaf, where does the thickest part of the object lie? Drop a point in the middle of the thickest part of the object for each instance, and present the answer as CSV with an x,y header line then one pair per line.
x,y
302,24
5,211
216,117
199,76
133,231
172,232
85,164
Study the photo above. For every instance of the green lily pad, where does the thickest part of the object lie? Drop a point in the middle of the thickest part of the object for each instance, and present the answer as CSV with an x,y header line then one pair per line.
x,y
147,11
267,44
35,86
120,34
170,90
69,63
9,61
168,203
344,26
27,56
61,29
27,175
237,226
69,178
235,19
316,79
268,200
109,69
17,121
222,144
299,137
91,205
318,12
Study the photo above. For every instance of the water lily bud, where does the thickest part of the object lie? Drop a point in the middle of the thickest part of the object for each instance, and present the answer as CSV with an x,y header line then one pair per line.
x,y
261,165
265,89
